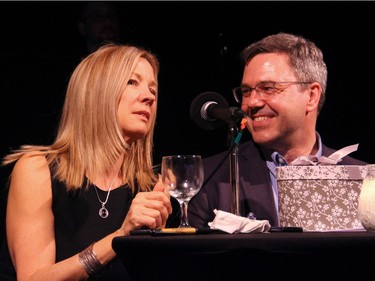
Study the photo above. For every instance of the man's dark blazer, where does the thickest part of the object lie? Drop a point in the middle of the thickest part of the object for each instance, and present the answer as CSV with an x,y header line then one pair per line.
x,y
255,193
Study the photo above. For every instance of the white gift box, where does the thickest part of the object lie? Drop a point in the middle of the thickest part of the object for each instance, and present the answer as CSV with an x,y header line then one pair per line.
x,y
320,198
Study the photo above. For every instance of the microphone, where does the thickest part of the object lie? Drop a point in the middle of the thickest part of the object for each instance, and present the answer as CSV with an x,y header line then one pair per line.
x,y
210,110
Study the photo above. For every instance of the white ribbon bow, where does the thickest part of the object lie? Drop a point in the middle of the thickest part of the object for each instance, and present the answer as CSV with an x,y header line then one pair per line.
x,y
333,159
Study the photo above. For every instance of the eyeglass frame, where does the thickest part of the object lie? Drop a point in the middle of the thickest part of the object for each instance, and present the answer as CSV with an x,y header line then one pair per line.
x,y
262,94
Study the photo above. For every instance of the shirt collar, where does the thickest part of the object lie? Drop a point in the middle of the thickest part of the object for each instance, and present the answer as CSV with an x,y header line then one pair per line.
x,y
279,160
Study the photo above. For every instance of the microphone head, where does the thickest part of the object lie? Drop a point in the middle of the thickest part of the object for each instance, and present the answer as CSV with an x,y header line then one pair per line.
x,y
199,106
238,113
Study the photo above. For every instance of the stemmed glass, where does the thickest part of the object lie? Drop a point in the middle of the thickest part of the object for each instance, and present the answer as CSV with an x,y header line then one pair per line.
x,y
183,175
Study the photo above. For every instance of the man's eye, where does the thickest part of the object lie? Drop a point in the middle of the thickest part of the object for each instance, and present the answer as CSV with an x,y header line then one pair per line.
x,y
267,88
246,91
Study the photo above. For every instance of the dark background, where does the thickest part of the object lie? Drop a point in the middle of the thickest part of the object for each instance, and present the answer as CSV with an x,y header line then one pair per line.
x,y
198,44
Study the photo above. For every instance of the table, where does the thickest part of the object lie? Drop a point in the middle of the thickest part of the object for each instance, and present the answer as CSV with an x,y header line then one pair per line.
x,y
262,256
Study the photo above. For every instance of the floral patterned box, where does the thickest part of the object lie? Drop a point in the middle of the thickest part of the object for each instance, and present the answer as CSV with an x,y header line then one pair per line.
x,y
320,198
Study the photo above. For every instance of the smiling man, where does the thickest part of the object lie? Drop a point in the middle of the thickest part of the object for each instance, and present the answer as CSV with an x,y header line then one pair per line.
x,y
282,91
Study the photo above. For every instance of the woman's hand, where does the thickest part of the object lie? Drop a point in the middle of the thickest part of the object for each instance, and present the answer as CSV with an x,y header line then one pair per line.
x,y
159,186
149,209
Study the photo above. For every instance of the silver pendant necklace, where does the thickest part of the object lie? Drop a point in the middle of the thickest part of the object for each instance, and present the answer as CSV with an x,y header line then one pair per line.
x,y
103,211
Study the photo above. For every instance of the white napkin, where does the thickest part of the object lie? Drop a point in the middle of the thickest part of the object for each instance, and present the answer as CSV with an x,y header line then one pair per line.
x,y
231,223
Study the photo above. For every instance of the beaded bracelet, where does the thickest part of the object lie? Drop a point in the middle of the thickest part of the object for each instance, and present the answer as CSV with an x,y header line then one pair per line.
x,y
89,261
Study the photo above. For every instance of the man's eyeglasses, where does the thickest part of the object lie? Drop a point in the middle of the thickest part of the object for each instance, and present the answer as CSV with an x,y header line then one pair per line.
x,y
265,90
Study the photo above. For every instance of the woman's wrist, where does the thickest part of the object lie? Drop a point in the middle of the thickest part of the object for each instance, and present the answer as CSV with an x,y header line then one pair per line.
x,y
90,262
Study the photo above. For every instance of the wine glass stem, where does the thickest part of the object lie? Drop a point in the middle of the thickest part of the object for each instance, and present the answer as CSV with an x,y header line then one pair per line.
x,y
184,214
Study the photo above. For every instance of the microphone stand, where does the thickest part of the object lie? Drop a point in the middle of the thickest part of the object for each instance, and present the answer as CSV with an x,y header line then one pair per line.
x,y
233,166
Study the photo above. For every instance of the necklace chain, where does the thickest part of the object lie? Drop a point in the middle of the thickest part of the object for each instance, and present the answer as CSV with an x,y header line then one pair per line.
x,y
103,211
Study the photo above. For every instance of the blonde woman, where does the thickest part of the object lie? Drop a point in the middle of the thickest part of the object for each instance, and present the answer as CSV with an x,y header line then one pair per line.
x,y
68,200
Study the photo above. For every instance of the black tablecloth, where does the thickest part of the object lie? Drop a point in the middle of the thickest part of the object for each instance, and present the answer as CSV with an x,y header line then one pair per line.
x,y
286,256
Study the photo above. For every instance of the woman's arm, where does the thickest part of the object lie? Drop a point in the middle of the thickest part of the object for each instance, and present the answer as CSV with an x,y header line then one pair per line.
x,y
30,224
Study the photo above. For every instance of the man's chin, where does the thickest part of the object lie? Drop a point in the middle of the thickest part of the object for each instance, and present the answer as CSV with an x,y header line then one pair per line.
x,y
263,140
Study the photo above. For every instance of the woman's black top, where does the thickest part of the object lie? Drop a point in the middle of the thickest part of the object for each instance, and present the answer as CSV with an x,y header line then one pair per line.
x,y
78,224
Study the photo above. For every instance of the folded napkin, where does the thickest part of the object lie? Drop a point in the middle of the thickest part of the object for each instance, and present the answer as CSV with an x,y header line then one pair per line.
x,y
231,223
333,159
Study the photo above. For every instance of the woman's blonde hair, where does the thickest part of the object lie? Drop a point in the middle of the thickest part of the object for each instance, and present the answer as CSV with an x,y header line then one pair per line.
x,y
89,139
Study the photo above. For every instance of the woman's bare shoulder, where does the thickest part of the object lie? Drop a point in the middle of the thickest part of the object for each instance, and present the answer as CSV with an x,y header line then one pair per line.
x,y
32,159
32,168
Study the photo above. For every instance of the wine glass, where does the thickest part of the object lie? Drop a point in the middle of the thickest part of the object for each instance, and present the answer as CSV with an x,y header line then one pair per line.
x,y
183,176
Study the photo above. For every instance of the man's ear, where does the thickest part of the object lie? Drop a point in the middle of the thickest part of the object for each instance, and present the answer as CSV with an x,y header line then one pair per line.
x,y
315,93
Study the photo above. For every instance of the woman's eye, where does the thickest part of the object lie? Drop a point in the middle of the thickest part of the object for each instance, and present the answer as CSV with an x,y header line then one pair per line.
x,y
132,82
